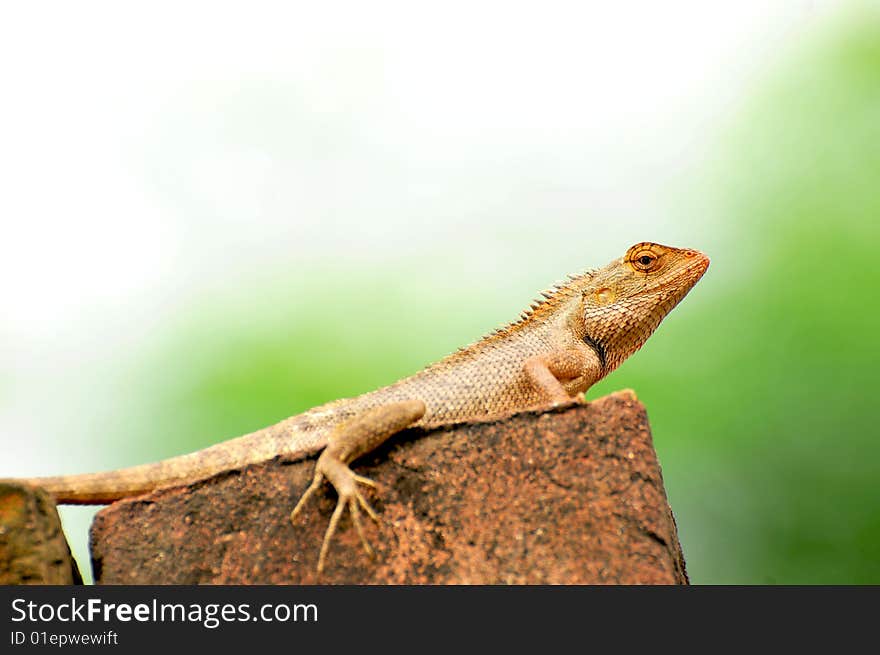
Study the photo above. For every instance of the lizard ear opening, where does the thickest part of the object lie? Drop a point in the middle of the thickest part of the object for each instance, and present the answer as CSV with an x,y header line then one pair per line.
x,y
601,297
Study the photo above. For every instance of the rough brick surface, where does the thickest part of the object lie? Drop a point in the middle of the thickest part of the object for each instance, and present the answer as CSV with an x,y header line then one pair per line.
x,y
33,549
573,495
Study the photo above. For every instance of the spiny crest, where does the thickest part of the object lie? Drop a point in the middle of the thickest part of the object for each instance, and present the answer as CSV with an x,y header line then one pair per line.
x,y
549,298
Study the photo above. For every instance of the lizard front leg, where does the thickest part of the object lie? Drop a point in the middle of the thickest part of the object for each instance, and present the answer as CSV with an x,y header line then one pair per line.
x,y
347,442
547,372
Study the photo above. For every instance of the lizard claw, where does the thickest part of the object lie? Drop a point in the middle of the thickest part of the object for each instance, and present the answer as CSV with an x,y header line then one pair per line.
x,y
363,480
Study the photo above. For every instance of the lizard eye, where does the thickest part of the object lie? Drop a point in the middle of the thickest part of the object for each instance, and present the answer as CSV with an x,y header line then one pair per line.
x,y
644,260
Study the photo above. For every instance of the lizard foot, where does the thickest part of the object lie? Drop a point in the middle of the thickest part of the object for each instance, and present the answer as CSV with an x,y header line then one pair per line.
x,y
561,401
350,496
348,441
566,401
344,480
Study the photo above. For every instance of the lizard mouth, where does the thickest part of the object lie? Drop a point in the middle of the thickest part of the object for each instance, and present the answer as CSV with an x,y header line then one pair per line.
x,y
702,262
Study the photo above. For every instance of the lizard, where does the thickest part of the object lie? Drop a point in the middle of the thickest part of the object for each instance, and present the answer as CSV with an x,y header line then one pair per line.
x,y
573,336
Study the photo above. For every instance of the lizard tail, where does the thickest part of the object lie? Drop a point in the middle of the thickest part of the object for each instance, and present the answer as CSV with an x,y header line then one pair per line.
x,y
108,486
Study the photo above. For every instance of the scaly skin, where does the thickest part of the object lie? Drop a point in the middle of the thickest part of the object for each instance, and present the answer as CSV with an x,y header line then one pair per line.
x,y
578,333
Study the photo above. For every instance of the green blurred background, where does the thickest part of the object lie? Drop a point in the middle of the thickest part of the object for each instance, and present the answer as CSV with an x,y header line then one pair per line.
x,y
761,387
